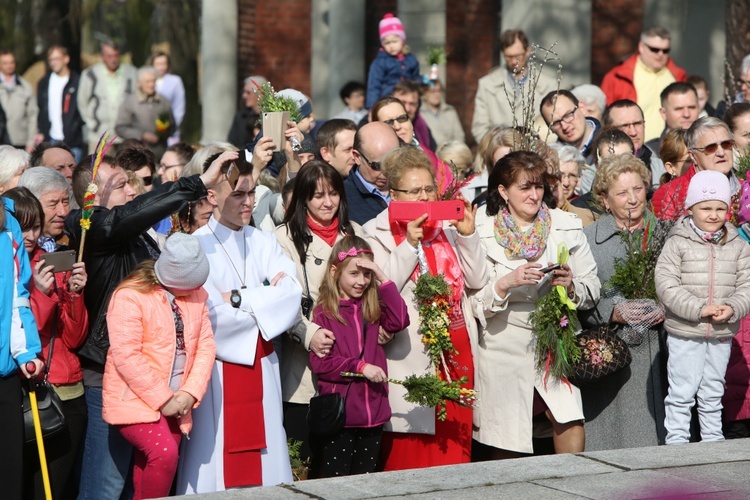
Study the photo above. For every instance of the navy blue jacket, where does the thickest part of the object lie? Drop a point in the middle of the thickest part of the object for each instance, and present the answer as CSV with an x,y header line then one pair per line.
x,y
362,204
386,71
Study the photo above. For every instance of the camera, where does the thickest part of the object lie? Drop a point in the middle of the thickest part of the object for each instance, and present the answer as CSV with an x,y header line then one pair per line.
x,y
307,306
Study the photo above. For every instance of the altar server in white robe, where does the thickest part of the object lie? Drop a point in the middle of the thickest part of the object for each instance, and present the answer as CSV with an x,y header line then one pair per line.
x,y
238,439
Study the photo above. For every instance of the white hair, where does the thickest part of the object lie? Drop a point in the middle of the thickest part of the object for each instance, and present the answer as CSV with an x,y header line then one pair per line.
x,y
260,80
40,180
746,64
195,165
12,161
590,94
147,69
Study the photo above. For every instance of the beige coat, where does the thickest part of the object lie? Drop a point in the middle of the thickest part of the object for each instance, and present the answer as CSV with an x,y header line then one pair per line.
x,y
297,384
507,374
406,355
692,273
492,104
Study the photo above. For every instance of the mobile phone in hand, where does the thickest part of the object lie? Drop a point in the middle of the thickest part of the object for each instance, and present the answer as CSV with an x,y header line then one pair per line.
x,y
62,261
551,268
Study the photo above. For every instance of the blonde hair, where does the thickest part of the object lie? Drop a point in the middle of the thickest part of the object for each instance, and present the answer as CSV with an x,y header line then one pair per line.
x,y
496,138
457,152
611,168
142,279
329,295
401,160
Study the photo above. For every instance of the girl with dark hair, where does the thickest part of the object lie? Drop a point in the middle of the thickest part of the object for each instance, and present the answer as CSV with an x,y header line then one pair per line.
x,y
60,314
521,235
315,220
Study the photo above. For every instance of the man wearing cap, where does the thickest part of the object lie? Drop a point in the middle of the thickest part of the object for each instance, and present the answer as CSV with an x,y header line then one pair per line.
x,y
115,244
253,296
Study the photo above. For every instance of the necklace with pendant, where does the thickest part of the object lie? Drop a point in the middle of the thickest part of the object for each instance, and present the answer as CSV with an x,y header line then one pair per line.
x,y
235,299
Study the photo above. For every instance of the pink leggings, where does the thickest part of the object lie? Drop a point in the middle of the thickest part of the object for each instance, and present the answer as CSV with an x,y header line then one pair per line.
x,y
157,449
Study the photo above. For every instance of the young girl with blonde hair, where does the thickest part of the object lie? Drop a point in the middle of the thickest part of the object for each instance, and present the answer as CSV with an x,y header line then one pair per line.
x,y
353,307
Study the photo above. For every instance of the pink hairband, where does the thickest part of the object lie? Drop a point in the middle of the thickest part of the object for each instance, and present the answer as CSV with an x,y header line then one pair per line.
x,y
352,252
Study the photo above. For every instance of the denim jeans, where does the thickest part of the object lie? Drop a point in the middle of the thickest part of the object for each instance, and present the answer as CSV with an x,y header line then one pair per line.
x,y
106,455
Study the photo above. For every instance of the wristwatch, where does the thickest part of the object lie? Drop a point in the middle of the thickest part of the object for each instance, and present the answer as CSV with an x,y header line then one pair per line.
x,y
235,299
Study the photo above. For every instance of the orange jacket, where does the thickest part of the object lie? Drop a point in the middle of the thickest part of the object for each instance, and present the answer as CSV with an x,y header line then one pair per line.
x,y
141,354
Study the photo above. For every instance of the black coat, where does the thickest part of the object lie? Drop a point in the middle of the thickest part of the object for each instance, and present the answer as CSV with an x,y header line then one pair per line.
x,y
72,120
116,243
362,204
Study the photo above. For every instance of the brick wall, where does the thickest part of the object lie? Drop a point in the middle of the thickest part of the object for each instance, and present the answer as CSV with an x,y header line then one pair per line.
x,y
274,40
616,27
472,42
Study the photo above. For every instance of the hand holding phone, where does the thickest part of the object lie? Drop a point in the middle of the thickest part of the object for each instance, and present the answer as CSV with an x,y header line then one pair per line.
x,y
61,261
549,269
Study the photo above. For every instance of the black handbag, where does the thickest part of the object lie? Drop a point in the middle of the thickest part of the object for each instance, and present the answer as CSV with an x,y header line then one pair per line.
x,y
602,353
326,414
51,416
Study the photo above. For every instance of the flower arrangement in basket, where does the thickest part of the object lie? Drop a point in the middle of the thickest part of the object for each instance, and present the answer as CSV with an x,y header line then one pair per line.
x,y
636,303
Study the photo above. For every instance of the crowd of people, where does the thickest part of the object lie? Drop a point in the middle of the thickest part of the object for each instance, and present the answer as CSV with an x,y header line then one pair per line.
x,y
221,288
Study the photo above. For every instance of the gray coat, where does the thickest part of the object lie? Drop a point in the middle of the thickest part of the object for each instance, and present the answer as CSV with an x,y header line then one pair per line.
x,y
625,409
692,273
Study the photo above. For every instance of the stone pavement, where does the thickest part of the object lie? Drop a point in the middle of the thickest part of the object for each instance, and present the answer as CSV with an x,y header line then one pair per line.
x,y
700,470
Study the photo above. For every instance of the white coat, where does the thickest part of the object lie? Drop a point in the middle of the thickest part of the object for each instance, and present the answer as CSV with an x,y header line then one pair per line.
x,y
507,374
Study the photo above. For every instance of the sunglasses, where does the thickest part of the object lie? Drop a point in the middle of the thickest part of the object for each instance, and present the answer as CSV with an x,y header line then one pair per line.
x,y
656,50
401,119
147,181
375,165
712,148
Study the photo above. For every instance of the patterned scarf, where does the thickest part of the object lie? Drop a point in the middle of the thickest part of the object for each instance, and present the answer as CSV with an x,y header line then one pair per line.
x,y
710,236
529,244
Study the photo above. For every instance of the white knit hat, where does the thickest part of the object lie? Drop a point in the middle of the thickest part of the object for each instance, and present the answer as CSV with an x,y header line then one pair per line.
x,y
182,264
708,185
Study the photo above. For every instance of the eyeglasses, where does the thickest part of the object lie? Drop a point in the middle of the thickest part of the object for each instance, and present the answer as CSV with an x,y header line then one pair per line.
x,y
572,177
147,181
415,192
711,148
656,50
567,118
401,119
375,165
626,126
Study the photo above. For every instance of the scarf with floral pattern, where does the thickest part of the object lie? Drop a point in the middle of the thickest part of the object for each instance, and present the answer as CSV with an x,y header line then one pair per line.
x,y
529,244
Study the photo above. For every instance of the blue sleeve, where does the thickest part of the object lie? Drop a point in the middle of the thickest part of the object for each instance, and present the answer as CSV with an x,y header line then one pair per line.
x,y
375,82
24,343
412,68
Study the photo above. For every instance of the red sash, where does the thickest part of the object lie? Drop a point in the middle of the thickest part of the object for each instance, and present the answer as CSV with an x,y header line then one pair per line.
x,y
244,427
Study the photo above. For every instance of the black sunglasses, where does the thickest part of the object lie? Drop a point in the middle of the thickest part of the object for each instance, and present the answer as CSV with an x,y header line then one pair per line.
x,y
147,181
375,165
656,50
401,119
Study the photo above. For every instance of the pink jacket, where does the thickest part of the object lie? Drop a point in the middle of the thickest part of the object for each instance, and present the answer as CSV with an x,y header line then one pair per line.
x,y
141,353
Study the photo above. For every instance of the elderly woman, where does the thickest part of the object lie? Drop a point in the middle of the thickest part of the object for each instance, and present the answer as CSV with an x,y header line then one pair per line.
x,y
568,181
625,409
316,219
521,235
13,163
496,143
415,437
392,112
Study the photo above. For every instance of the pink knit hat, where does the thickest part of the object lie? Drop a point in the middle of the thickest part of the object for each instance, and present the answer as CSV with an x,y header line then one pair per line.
x,y
708,185
391,25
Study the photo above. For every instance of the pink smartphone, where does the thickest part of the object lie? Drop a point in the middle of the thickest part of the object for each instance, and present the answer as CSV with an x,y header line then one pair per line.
x,y
435,210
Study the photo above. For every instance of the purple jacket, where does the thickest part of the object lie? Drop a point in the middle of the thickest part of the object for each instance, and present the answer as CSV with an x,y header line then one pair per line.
x,y
367,402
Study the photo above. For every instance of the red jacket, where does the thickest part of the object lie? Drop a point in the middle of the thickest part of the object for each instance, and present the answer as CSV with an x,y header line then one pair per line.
x,y
618,82
737,393
669,200
70,331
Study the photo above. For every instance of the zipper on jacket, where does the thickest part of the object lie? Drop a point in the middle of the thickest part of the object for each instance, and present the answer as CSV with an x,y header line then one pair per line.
x,y
710,285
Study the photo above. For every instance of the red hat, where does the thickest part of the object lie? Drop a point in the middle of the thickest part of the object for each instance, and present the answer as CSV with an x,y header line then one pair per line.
x,y
391,25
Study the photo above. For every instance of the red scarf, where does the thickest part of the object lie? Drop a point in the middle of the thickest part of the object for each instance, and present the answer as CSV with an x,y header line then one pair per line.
x,y
441,257
325,233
